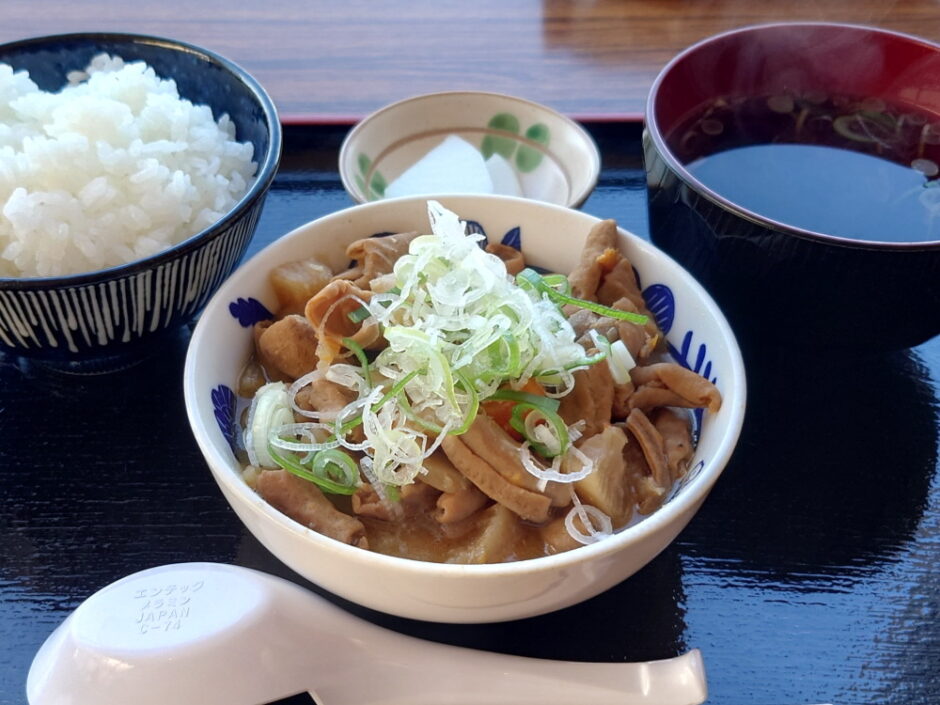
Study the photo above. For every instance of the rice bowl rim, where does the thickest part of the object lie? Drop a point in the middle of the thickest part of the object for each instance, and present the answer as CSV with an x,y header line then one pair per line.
x,y
267,167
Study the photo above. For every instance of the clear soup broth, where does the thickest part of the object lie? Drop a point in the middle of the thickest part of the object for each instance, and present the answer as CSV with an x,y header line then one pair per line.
x,y
849,167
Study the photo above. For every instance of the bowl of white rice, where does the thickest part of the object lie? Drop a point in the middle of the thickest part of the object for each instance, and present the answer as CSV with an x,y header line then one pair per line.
x,y
133,170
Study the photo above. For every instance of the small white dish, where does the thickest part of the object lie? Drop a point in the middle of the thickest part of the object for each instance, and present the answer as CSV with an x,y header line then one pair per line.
x,y
553,158
551,237
217,634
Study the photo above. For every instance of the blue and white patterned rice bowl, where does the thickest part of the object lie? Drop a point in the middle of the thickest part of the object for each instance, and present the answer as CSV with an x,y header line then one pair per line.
x,y
551,237
101,320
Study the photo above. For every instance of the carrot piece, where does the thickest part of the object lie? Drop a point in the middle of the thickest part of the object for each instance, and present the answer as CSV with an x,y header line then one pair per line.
x,y
500,410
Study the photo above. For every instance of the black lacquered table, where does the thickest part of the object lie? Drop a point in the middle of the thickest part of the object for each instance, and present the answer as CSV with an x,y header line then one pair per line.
x,y
811,574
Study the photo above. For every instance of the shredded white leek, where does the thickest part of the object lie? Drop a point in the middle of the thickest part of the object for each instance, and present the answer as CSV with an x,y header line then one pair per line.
x,y
588,515
457,314
556,472
296,386
458,327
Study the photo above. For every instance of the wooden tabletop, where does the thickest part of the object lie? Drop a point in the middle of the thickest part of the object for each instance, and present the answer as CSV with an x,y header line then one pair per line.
x,y
325,60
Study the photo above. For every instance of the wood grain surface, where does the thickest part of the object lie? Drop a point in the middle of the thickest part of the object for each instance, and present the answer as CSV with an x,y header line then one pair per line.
x,y
325,60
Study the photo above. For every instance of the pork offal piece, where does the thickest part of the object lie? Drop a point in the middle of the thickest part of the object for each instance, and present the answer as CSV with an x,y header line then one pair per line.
x,y
605,275
453,507
620,283
489,441
670,384
585,278
677,440
459,497
376,256
529,505
556,537
640,340
303,502
651,442
647,493
511,257
324,397
591,400
416,498
328,313
657,455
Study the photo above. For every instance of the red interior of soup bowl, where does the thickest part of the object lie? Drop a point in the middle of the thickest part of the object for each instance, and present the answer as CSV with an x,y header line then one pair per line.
x,y
795,58
778,282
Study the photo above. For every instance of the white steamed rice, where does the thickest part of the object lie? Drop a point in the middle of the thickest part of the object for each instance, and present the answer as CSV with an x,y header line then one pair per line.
x,y
112,168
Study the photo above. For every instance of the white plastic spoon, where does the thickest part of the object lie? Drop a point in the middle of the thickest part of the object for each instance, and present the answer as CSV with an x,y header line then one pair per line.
x,y
223,635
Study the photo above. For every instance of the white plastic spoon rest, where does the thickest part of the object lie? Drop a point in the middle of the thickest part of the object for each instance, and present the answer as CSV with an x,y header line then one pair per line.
x,y
217,634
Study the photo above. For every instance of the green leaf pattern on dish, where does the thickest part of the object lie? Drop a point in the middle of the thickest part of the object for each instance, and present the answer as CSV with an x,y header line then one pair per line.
x,y
376,187
494,144
527,158
378,184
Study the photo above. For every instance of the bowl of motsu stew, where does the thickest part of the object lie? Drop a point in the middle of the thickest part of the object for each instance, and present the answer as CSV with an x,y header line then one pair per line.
x,y
464,409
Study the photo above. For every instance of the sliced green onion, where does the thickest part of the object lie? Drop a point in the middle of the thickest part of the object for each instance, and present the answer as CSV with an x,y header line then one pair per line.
x,y
857,126
395,390
554,473
619,359
343,482
284,437
384,303
390,394
473,405
472,408
506,358
577,364
559,282
530,410
621,362
363,360
415,418
337,467
270,408
886,120
359,315
527,418
536,281
536,400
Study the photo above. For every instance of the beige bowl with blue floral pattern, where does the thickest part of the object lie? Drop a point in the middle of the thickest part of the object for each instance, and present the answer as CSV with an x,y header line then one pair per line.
x,y
551,157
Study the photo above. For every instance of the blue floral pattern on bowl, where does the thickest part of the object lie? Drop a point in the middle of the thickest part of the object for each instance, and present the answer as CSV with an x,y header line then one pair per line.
x,y
513,238
472,227
223,407
249,311
662,304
